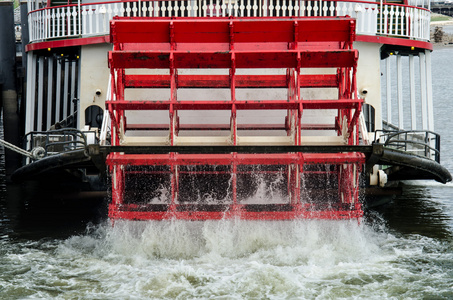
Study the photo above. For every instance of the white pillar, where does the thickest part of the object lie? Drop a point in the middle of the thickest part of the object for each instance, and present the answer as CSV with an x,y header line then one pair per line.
x,y
429,90
58,92
389,91
66,95
40,104
50,80
31,85
400,91
73,86
412,92
423,90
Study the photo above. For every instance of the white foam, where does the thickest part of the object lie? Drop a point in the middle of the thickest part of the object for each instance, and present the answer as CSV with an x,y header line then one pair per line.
x,y
228,259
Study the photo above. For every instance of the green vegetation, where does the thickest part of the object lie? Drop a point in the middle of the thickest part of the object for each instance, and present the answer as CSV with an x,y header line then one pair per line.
x,y
437,17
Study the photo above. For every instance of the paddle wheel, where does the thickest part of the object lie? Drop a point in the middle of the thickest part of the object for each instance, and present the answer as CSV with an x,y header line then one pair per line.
x,y
216,85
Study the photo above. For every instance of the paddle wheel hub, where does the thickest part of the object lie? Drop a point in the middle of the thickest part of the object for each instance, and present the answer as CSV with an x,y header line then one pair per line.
x,y
216,82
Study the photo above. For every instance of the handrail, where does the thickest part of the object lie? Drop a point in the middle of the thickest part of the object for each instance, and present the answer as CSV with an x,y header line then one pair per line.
x,y
419,142
56,141
92,19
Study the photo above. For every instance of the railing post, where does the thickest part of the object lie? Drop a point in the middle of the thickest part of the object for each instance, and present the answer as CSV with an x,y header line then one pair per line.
x,y
79,18
380,18
437,155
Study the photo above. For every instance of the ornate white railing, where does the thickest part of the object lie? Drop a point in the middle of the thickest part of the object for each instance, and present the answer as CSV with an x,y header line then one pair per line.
x,y
85,20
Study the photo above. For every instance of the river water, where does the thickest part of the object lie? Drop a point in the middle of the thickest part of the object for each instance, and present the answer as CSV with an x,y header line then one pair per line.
x,y
403,250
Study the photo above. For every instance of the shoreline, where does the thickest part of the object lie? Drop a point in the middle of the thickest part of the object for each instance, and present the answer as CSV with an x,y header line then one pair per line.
x,y
441,23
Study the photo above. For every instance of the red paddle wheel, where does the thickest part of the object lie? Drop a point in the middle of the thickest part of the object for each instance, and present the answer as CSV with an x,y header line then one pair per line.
x,y
209,83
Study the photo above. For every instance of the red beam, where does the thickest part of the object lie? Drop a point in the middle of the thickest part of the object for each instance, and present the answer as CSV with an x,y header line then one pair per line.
x,y
241,105
223,81
67,43
318,81
214,127
244,30
244,59
202,159
334,158
116,212
206,81
331,104
217,127
238,158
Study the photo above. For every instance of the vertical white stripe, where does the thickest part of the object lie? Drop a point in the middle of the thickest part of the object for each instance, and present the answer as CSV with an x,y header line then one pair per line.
x,y
50,80
73,83
58,92
389,91
40,104
66,90
412,92
31,84
429,91
423,91
400,91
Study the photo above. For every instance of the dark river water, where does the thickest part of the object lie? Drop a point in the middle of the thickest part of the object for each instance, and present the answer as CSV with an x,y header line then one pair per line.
x,y
403,250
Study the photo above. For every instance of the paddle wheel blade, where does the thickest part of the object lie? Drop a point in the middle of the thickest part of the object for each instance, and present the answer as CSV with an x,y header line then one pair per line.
x,y
233,82
265,187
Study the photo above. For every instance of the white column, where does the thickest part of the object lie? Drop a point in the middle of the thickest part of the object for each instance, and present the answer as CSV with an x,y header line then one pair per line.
x,y
31,85
73,83
389,91
429,90
50,80
412,92
423,90
40,104
58,92
79,121
399,72
66,90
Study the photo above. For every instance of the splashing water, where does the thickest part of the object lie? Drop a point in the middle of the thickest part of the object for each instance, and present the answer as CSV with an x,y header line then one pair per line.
x,y
230,259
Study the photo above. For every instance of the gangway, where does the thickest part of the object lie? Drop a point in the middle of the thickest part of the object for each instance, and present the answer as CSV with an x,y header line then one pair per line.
x,y
184,82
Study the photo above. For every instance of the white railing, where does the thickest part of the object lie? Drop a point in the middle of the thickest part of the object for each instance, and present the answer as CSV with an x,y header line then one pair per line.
x,y
373,18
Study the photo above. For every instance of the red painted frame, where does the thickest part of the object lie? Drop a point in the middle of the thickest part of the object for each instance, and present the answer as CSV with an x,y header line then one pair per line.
x,y
245,43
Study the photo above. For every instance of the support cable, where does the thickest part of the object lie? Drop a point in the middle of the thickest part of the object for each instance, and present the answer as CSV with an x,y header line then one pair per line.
x,y
34,154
